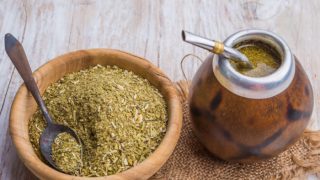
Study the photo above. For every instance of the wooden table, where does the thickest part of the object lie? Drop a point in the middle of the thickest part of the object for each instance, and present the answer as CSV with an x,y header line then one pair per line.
x,y
151,29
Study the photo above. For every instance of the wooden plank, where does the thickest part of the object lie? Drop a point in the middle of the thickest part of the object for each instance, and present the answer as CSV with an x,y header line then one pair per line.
x,y
14,22
151,29
174,17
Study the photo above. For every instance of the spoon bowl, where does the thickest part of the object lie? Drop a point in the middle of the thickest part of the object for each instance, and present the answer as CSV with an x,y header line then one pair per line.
x,y
47,139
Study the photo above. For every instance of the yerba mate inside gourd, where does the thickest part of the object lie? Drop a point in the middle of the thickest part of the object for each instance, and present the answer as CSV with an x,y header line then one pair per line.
x,y
264,58
119,116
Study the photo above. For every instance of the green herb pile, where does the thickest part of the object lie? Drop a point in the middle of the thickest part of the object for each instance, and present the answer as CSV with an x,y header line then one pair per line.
x,y
120,117
264,58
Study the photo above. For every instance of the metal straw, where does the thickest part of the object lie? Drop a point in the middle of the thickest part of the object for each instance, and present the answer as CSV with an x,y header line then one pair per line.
x,y
215,47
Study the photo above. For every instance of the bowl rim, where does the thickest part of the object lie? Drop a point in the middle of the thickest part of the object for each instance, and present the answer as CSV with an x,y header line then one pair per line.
x,y
143,170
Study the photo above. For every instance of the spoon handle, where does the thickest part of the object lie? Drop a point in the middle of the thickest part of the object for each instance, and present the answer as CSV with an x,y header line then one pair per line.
x,y
19,59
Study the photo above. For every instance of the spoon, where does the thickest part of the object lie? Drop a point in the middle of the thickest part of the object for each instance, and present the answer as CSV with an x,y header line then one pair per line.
x,y
18,57
216,47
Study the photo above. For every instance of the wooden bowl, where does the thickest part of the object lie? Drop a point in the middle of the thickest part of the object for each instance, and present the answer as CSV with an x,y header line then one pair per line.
x,y
24,106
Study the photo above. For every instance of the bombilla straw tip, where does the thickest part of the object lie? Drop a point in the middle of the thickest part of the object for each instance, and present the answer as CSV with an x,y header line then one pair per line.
x,y
183,35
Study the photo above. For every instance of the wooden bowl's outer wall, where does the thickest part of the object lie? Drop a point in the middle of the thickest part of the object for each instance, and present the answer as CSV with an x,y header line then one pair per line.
x,y
239,129
24,106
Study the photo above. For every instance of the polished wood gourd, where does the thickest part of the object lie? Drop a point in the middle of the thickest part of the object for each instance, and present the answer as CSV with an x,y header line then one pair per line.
x,y
24,106
240,129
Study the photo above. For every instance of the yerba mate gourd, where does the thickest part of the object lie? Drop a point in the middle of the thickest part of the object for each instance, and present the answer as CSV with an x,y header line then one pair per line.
x,y
244,119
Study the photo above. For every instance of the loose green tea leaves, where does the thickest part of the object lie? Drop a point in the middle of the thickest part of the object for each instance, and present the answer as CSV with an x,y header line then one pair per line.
x,y
66,153
120,117
264,58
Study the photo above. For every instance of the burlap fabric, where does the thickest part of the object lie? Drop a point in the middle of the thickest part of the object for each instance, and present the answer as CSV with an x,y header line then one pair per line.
x,y
190,160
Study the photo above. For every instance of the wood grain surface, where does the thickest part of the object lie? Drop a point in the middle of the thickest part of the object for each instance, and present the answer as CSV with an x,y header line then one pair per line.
x,y
150,29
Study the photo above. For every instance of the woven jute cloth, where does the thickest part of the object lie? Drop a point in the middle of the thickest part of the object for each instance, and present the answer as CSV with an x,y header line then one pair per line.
x,y
190,160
